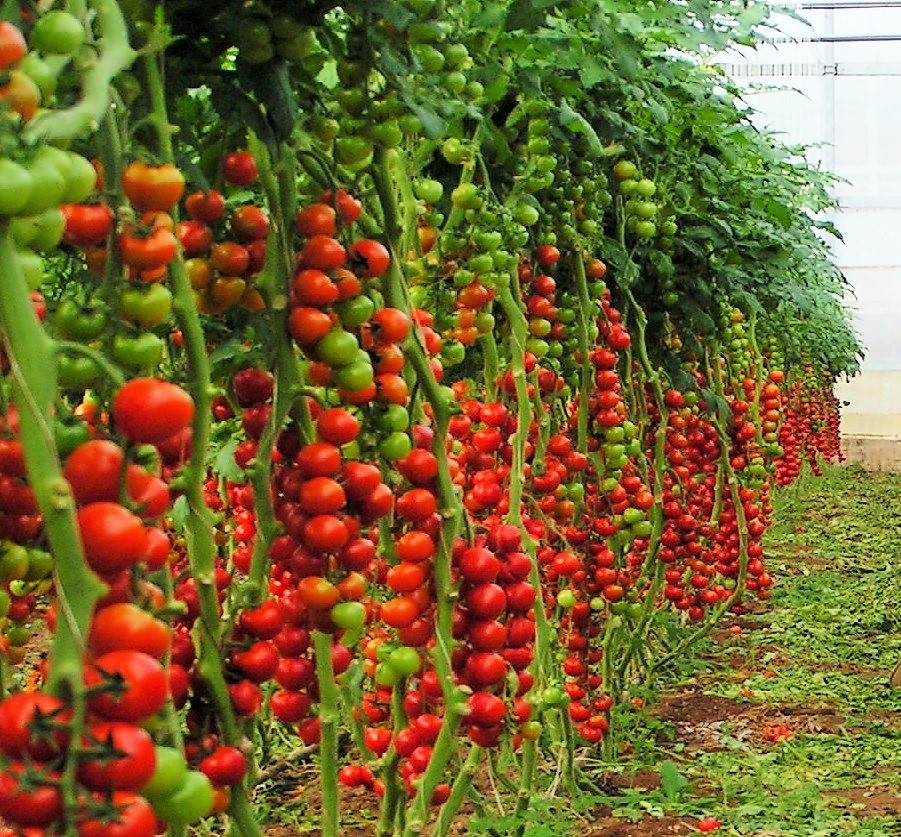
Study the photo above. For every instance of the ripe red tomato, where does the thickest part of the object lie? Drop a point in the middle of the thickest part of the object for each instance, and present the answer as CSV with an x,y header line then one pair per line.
x,y
322,252
134,818
143,685
370,258
195,237
147,252
113,538
129,764
239,168
208,207
249,223
123,626
151,410
316,219
25,718
337,426
87,223
35,807
224,766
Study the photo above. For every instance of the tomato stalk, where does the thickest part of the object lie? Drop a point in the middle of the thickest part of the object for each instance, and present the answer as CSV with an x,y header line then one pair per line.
x,y
33,370
390,808
112,55
585,368
199,523
389,168
459,791
329,709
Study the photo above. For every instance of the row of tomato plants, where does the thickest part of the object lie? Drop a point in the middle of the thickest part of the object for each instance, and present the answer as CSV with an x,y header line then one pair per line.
x,y
412,571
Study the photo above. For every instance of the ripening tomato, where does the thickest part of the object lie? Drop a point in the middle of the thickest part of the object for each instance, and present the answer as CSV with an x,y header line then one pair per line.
x,y
12,45
249,223
153,187
148,251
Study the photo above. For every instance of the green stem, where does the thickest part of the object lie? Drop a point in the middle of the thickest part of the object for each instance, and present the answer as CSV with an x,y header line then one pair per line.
x,y
199,525
459,791
114,54
33,371
328,730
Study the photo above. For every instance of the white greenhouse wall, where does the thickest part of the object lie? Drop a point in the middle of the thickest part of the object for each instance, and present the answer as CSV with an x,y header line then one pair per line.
x,y
845,98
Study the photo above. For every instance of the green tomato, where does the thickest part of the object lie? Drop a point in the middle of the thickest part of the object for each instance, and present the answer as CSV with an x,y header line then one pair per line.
x,y
633,516
525,214
453,352
57,33
395,446
355,376
387,134
625,170
40,563
5,602
430,59
69,435
456,56
428,190
404,661
81,178
454,82
597,603
169,775
348,615
454,151
192,800
646,187
137,353
39,232
337,348
49,167
146,305
41,73
32,266
354,312
16,185
324,128
394,419
81,322
76,373
554,696
352,151
466,196
13,561
566,598
385,676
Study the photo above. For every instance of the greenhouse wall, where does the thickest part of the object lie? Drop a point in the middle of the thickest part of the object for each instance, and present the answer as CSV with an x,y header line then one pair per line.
x,y
839,70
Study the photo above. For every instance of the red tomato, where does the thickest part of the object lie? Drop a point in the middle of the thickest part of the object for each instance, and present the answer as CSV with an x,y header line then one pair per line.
x,y
25,718
224,766
113,538
151,410
134,818
130,763
143,685
208,207
87,223
37,807
370,258
239,168
123,626
316,219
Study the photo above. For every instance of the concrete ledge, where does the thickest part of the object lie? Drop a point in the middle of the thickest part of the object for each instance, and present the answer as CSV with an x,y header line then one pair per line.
x,y
873,452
